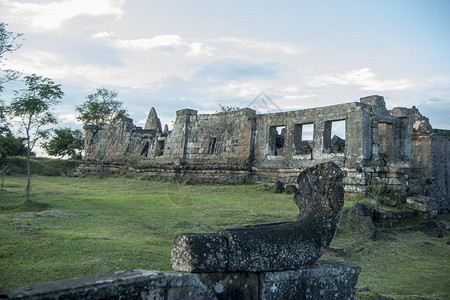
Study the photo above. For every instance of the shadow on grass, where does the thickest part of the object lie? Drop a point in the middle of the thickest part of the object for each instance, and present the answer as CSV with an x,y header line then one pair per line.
x,y
30,206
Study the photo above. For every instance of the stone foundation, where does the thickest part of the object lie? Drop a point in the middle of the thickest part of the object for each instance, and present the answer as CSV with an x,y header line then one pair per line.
x,y
326,279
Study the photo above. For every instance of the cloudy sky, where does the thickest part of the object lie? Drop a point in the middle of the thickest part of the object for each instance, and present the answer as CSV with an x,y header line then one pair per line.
x,y
176,54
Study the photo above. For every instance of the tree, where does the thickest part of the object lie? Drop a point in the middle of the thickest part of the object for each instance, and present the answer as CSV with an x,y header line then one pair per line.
x,y
226,109
9,42
65,141
9,146
32,105
101,109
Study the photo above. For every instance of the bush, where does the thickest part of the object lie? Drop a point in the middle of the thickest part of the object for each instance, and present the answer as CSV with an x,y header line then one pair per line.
x,y
42,166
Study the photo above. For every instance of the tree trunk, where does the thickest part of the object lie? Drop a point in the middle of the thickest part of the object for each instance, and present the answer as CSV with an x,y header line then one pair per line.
x,y
3,180
28,171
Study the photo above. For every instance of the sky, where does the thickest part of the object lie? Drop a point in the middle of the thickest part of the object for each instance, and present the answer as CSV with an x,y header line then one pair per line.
x,y
177,54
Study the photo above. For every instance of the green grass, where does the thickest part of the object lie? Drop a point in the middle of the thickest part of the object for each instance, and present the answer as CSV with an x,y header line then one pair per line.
x,y
404,265
127,222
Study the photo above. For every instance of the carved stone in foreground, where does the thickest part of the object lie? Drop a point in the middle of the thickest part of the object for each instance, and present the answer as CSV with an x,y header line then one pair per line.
x,y
196,252
272,246
327,279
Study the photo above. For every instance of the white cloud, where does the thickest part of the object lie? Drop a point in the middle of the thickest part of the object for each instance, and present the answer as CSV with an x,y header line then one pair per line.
x,y
262,45
365,78
199,49
40,62
300,97
101,35
190,49
66,114
146,44
240,89
52,15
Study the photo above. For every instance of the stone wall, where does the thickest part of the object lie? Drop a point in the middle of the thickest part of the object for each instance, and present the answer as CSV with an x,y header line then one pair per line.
x,y
397,148
328,279
431,156
284,166
440,145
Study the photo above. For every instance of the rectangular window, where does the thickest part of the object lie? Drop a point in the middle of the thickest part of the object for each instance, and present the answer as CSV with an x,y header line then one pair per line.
x,y
160,148
303,138
212,145
334,136
161,145
276,140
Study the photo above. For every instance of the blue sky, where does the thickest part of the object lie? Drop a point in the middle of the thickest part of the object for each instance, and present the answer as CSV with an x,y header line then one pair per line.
x,y
196,54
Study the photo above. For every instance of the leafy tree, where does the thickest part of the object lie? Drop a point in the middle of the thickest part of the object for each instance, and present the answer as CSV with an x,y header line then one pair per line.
x,y
101,109
32,105
65,141
225,109
9,42
9,146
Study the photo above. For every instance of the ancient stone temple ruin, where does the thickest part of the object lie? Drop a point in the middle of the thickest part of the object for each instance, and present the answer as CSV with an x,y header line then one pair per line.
x,y
397,148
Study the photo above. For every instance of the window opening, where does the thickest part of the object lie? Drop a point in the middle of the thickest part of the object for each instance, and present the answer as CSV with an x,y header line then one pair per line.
x,y
334,137
144,151
161,145
276,140
303,138
212,145
160,148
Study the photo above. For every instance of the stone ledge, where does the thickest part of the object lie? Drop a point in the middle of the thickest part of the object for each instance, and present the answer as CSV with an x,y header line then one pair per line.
x,y
328,279
427,207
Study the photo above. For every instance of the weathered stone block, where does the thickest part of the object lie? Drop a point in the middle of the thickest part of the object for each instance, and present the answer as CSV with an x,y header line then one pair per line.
x,y
272,246
426,206
124,284
196,252
212,286
444,224
430,228
290,189
290,245
323,280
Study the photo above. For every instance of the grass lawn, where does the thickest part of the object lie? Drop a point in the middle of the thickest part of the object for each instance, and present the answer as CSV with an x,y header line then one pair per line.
x,y
101,225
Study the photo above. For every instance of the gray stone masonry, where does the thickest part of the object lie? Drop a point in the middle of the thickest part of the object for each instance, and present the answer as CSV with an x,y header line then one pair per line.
x,y
427,207
397,148
327,280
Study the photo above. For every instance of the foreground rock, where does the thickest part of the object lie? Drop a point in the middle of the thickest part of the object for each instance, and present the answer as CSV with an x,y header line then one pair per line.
x,y
430,228
327,279
366,220
272,246
426,207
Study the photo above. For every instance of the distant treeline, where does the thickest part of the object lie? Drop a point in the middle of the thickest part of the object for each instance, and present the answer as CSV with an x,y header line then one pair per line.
x,y
41,166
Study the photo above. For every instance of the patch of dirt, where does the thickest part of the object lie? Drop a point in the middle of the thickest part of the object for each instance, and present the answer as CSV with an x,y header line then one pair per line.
x,y
47,213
